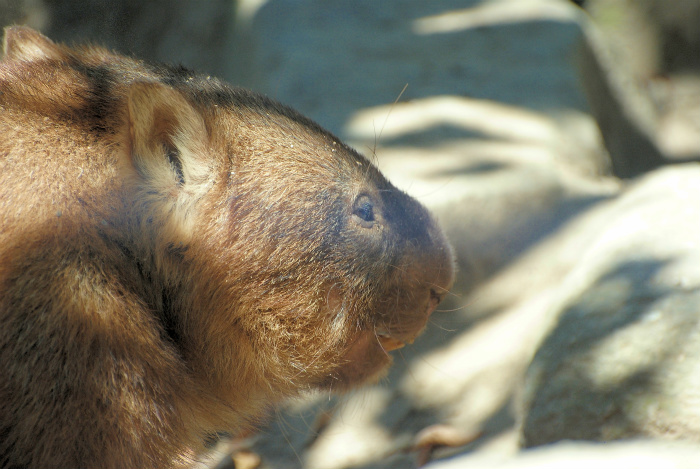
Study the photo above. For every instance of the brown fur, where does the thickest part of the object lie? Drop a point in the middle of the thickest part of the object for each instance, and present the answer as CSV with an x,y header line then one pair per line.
x,y
176,255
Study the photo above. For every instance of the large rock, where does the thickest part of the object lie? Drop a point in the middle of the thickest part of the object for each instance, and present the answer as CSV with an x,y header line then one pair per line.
x,y
635,454
640,70
622,356
651,36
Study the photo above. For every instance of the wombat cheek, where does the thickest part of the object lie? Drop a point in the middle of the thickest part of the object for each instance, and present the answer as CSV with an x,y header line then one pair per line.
x,y
365,361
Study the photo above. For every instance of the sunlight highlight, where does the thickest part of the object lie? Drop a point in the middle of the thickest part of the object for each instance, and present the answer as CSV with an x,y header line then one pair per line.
x,y
487,117
494,13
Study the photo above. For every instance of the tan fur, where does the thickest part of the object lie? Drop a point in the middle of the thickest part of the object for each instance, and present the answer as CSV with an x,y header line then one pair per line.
x,y
177,255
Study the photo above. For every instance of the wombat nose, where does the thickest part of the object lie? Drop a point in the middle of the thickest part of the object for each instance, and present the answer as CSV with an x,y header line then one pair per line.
x,y
435,299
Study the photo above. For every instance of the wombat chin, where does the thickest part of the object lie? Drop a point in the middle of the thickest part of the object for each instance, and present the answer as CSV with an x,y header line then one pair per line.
x,y
177,254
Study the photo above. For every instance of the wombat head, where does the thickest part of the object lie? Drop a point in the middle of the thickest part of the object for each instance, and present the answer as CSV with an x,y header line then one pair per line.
x,y
298,241
277,258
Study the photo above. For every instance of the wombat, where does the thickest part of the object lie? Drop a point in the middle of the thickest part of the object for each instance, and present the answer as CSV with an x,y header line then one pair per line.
x,y
177,255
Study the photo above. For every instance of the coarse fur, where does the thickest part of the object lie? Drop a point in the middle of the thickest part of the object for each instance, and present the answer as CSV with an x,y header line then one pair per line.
x,y
176,255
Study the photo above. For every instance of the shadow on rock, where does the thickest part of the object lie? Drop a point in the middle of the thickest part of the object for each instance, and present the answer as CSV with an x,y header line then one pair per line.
x,y
601,373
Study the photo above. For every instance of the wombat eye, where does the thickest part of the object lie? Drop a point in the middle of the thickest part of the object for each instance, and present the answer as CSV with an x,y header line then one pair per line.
x,y
364,209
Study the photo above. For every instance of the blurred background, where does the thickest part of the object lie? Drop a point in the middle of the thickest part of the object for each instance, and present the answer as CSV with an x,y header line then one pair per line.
x,y
304,52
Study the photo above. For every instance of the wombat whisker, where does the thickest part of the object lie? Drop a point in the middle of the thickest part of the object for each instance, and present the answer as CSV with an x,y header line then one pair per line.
x,y
453,294
434,323
424,359
377,137
388,114
435,190
408,369
448,293
372,152
452,310
283,422
289,443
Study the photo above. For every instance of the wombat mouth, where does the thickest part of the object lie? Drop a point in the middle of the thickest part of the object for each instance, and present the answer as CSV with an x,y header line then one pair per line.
x,y
389,343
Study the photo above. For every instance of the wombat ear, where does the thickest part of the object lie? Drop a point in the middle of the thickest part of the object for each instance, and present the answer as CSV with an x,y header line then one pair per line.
x,y
22,43
168,138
